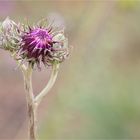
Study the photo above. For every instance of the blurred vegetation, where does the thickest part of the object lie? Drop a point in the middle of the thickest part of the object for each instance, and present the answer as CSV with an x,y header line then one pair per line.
x,y
96,95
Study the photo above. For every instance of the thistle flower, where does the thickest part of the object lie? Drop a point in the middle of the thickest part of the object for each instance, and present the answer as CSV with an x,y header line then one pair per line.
x,y
35,45
43,45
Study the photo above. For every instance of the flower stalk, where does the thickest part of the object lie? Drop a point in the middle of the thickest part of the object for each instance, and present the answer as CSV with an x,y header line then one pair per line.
x,y
31,47
49,85
32,101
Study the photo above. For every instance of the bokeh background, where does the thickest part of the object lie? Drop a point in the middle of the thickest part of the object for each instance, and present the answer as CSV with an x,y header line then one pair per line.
x,y
97,93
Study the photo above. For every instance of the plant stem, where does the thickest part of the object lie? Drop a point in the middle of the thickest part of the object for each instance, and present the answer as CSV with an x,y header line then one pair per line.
x,y
32,122
49,85
33,102
32,108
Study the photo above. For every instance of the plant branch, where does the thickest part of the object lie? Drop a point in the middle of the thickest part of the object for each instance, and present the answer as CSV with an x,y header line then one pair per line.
x,y
28,84
33,102
49,85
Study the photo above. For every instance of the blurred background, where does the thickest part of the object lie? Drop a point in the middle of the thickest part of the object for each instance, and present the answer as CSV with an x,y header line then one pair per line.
x,y
97,93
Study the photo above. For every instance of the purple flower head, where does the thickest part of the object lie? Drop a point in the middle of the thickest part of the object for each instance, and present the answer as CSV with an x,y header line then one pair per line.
x,y
43,44
35,45
37,42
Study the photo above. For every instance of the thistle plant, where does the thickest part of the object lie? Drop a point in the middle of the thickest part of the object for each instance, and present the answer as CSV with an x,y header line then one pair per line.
x,y
32,47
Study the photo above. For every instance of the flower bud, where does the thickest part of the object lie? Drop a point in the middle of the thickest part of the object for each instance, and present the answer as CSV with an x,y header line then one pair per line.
x,y
8,25
9,35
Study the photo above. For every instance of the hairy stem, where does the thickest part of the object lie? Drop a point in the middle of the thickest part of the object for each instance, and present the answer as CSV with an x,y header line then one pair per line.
x,y
33,102
32,122
30,103
49,85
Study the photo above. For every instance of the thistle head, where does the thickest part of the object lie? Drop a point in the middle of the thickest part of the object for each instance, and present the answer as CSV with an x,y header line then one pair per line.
x,y
35,45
